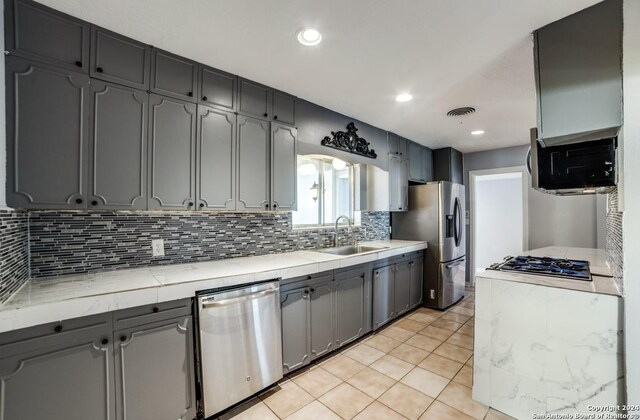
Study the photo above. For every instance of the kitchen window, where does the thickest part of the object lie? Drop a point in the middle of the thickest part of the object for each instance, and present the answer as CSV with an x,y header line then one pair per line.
x,y
325,191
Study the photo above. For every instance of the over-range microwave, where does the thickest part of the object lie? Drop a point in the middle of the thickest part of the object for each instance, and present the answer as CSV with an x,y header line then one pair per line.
x,y
573,169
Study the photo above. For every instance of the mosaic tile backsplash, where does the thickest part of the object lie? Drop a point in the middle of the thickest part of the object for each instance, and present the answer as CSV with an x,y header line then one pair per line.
x,y
14,252
79,242
615,255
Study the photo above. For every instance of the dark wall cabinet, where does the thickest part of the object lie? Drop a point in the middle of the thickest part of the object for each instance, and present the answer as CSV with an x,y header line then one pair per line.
x,y
284,108
420,163
398,146
447,165
217,88
398,183
253,164
118,59
39,33
47,130
118,147
283,167
172,140
174,76
254,99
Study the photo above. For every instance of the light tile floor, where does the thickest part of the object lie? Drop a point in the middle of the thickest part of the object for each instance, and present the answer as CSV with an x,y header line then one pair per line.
x,y
418,367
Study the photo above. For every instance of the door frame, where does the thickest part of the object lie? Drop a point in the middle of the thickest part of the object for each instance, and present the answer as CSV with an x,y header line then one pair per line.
x,y
472,204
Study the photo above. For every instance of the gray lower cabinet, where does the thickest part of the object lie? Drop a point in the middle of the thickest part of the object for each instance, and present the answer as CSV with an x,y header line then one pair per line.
x,y
322,318
58,372
154,371
118,147
173,75
401,287
40,33
351,306
283,167
216,159
253,164
254,99
47,130
295,328
172,141
217,88
119,59
398,183
417,273
383,296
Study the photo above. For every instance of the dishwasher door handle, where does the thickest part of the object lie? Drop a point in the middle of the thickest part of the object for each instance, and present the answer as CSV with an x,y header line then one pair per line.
x,y
237,299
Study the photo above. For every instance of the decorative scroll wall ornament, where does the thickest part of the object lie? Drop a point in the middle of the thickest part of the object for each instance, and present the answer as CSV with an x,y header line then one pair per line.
x,y
349,141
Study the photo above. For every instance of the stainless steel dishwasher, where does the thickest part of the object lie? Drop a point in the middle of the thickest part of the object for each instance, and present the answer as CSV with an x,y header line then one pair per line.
x,y
240,343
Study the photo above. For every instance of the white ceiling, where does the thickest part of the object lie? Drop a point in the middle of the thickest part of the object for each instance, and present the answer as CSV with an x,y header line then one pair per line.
x,y
447,53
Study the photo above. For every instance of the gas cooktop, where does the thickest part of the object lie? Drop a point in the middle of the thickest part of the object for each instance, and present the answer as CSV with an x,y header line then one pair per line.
x,y
545,266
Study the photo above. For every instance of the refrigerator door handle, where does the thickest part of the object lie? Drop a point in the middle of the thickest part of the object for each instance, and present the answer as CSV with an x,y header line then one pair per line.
x,y
459,262
457,214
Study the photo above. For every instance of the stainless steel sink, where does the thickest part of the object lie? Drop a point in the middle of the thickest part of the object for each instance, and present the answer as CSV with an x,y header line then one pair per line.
x,y
351,249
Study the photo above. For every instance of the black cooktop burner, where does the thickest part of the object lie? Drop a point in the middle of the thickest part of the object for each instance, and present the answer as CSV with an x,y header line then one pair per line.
x,y
545,266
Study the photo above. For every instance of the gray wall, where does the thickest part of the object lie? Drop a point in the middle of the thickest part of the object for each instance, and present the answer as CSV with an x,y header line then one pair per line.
x,y
565,221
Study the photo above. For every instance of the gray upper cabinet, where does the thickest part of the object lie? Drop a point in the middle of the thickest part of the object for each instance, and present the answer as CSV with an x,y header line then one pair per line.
x,y
172,141
39,33
154,369
216,155
295,328
47,129
416,165
65,373
398,183
118,147
402,287
350,306
217,88
284,108
253,164
174,76
397,146
417,271
283,167
447,165
254,99
119,59
321,318
427,164
578,65
383,299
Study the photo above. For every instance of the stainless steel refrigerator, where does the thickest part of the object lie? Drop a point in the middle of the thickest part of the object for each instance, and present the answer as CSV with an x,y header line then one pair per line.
x,y
436,215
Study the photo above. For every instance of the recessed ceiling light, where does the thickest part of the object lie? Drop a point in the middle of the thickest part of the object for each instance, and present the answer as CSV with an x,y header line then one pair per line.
x,y
309,36
477,132
404,97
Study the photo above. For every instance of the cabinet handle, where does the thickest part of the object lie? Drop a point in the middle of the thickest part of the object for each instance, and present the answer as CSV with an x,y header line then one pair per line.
x,y
99,69
204,98
78,200
78,63
306,291
190,204
155,310
201,205
105,341
275,206
58,328
94,202
275,117
313,290
190,94
265,115
123,338
266,206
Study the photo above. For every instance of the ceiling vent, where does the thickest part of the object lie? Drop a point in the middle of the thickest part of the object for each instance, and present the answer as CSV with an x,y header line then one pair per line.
x,y
459,112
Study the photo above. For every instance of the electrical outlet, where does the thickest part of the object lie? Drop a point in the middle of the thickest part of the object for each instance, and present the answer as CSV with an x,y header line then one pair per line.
x,y
157,247
432,294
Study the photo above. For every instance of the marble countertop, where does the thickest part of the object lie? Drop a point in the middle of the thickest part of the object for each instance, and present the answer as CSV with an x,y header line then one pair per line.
x,y
603,282
58,298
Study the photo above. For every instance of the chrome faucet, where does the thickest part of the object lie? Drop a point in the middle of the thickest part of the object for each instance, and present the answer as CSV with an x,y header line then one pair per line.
x,y
349,229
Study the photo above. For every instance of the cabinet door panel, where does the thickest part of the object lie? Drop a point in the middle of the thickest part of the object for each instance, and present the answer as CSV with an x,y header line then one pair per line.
x,y
40,33
415,163
322,319
398,184
117,164
71,380
172,153
350,308
253,164
295,328
427,164
155,371
383,299
254,99
402,287
417,270
118,59
216,159
217,88
173,76
283,167
284,108
46,136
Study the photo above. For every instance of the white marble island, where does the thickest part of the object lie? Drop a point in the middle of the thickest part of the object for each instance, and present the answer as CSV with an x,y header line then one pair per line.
x,y
544,345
